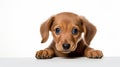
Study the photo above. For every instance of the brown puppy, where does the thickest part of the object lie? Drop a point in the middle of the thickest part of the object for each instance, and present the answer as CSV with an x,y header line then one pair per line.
x,y
67,29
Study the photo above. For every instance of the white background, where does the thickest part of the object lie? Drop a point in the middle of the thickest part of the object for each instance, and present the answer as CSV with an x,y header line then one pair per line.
x,y
20,22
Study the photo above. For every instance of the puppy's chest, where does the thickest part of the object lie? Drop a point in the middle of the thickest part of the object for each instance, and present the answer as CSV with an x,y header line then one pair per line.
x,y
76,53
79,51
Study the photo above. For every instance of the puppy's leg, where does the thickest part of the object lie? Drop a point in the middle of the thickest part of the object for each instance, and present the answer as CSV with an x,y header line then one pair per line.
x,y
91,53
45,54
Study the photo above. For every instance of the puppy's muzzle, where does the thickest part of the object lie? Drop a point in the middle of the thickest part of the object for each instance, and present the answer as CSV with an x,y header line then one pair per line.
x,y
66,46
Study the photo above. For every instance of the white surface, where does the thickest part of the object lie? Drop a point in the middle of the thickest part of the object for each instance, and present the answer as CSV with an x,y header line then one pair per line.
x,y
20,22
60,62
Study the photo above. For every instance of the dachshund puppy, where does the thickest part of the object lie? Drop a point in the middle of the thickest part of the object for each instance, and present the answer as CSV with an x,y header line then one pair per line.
x,y
67,29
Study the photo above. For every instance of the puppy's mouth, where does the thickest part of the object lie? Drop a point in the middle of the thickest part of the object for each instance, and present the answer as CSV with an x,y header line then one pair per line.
x,y
66,52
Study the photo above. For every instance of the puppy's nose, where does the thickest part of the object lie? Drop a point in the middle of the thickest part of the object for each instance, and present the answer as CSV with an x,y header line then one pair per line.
x,y
66,46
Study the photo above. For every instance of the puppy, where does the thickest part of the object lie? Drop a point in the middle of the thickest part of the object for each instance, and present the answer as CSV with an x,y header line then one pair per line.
x,y
67,29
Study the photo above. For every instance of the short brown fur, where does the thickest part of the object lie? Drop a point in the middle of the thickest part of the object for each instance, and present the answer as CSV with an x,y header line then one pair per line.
x,y
78,45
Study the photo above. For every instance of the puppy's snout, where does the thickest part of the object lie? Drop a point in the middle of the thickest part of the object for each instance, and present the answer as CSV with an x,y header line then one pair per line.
x,y
66,46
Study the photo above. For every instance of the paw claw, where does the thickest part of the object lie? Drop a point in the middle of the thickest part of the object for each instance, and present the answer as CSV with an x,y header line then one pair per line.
x,y
96,54
43,54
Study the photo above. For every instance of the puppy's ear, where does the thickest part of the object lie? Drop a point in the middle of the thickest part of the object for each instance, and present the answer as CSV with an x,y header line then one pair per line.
x,y
88,29
44,29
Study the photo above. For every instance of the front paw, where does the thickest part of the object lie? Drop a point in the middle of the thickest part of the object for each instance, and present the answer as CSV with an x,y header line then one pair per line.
x,y
94,54
44,54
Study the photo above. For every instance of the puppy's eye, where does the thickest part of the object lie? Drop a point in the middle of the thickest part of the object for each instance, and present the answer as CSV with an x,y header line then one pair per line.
x,y
74,31
57,30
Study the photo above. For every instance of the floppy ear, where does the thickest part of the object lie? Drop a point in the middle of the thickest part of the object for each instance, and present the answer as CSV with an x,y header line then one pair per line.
x,y
88,29
44,29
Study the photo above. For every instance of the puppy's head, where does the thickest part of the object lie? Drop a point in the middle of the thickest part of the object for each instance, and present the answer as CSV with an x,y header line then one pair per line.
x,y
66,29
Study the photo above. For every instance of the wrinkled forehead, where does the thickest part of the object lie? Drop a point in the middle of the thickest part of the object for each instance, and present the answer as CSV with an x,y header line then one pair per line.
x,y
66,18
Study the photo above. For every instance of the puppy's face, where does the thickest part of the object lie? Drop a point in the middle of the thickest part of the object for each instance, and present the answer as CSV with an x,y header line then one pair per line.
x,y
66,30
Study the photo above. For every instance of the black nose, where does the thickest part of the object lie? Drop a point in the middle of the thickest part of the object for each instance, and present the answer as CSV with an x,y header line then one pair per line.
x,y
66,46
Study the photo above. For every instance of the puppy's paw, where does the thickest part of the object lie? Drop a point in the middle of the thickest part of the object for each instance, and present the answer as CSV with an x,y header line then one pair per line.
x,y
94,54
44,54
